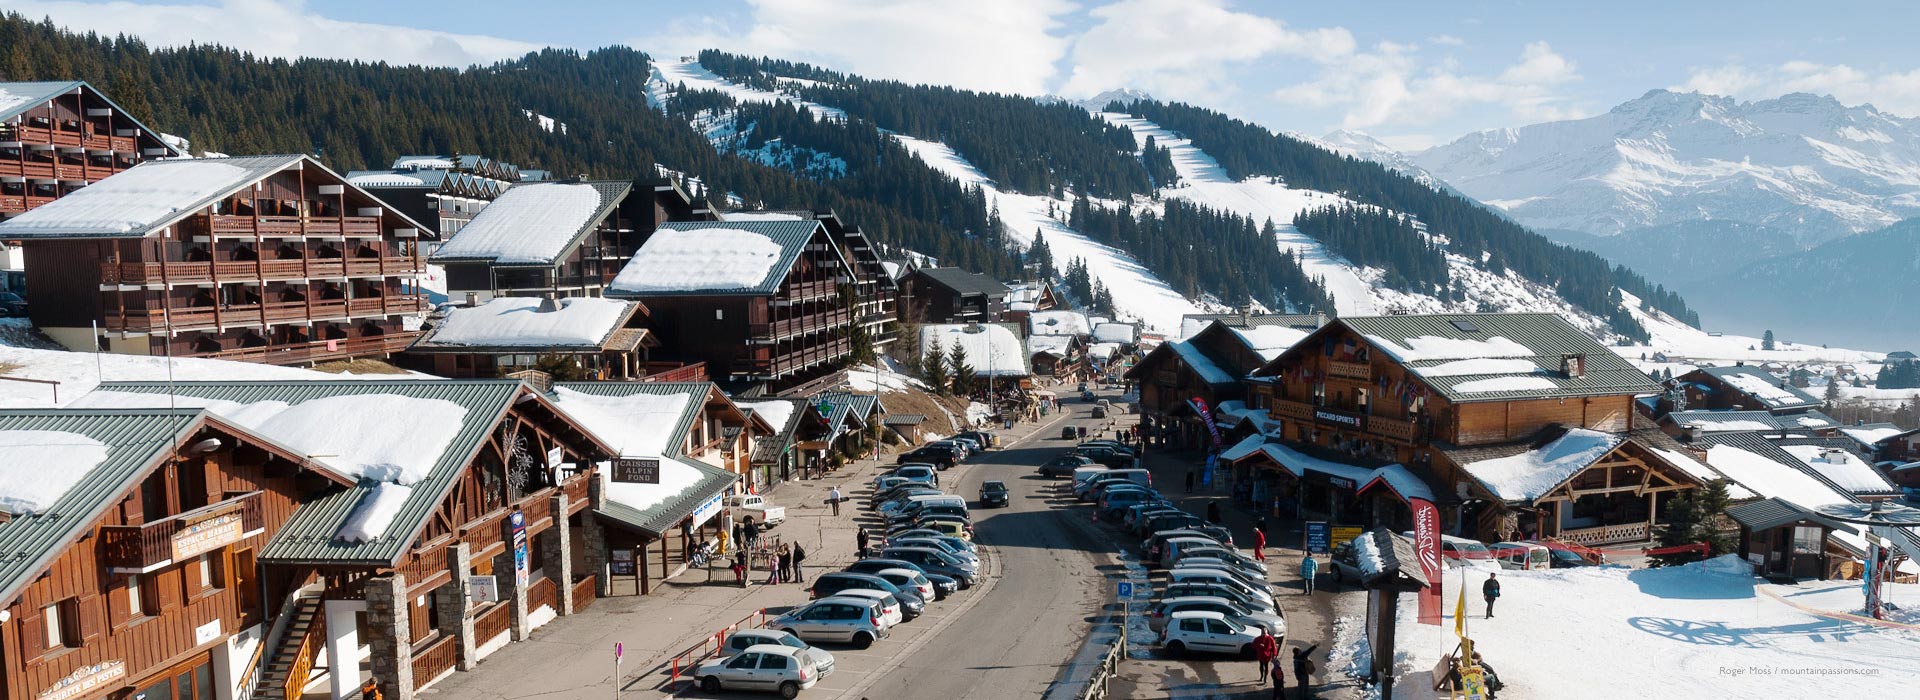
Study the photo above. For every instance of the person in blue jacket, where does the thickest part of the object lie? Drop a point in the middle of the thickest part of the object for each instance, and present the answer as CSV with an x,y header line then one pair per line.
x,y
1309,567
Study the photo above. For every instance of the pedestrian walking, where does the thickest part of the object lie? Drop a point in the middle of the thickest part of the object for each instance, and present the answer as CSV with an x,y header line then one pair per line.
x,y
776,560
1303,668
799,557
1213,512
751,530
720,549
1190,475
861,539
740,567
1491,590
1265,647
739,533
1278,669
833,497
1259,545
1260,523
1309,569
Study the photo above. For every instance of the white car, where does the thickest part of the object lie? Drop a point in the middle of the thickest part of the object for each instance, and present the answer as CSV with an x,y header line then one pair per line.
x,y
771,667
1221,577
1247,577
744,639
846,619
1162,612
1206,631
890,611
952,550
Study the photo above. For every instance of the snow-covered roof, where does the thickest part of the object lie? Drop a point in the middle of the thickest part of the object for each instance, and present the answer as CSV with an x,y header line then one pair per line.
x,y
17,97
1432,347
1702,471
1872,434
578,322
1102,350
1058,322
991,348
533,223
1718,421
637,425
1204,366
1842,467
1269,341
1114,332
1458,343
1056,345
1396,476
777,412
1771,479
708,258
1762,386
375,512
1503,384
763,216
1457,368
146,197
37,467
647,422
1529,475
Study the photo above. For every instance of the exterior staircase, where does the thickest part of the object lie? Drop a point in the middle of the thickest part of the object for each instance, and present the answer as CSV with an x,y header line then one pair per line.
x,y
291,656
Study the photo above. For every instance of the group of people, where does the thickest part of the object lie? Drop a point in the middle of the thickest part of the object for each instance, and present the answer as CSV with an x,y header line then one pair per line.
x,y
1266,652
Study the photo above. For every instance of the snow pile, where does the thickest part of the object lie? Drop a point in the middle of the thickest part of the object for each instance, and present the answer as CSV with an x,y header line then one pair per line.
x,y
374,513
991,349
1529,475
1478,366
20,333
1842,467
882,380
1434,347
1367,551
1058,323
37,467
1767,391
1114,333
529,223
638,425
140,197
1269,341
978,413
580,321
79,372
699,260
1482,386
775,412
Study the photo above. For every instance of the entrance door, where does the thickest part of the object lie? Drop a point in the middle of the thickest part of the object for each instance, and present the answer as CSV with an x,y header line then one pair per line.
x,y
246,580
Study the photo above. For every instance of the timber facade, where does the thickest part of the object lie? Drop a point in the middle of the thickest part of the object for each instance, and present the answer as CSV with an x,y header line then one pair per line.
x,y
63,137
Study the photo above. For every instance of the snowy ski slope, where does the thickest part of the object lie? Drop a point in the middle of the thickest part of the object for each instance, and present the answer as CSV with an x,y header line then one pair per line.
x,y
668,75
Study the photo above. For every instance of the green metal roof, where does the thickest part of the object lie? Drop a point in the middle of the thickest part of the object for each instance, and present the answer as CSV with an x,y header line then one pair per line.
x,y
309,535
791,236
1769,513
1548,336
661,517
136,440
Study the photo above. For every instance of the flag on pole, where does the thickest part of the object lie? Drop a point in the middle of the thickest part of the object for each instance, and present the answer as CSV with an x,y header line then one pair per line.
x,y
1460,614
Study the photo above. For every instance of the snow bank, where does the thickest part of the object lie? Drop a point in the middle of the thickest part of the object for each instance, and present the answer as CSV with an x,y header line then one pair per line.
x,y
992,350
37,467
1528,475
700,259
374,513
580,321
1478,366
863,378
139,197
1433,347
529,223
1482,386
639,425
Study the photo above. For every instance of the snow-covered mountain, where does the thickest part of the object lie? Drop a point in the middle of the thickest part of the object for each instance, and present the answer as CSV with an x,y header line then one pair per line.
x,y
1365,147
1799,162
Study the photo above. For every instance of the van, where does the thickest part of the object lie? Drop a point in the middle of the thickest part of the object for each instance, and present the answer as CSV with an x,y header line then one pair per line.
x,y
1463,553
1082,474
1522,556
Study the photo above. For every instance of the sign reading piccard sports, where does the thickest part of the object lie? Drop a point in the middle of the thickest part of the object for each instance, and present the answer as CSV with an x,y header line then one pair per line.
x,y
636,471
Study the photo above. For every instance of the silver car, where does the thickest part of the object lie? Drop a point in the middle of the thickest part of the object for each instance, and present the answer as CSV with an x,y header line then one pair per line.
x,y
943,545
1162,611
772,667
740,641
835,618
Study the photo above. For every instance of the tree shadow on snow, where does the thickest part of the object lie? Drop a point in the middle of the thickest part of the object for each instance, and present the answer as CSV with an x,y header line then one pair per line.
x,y
1713,633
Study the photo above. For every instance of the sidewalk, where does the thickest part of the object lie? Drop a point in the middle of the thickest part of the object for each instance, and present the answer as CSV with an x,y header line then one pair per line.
x,y
572,657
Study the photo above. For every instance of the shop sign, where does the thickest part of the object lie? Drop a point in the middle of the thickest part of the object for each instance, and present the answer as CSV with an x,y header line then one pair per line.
x,y
623,562
1317,534
1353,421
206,536
1341,482
484,589
636,471
707,509
1346,534
206,633
85,680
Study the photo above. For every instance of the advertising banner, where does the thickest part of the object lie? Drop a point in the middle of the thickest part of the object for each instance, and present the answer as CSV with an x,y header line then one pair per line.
x,y
1426,545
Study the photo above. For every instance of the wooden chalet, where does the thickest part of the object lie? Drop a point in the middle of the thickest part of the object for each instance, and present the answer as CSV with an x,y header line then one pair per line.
x,y
760,302
876,293
951,295
444,192
782,454
1757,468
545,239
1743,388
134,572
431,485
1487,408
1060,358
1783,539
57,137
699,446
272,259
1209,365
510,334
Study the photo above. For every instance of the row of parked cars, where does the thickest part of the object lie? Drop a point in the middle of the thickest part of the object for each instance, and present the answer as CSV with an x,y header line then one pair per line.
x,y
927,555
1216,598
950,452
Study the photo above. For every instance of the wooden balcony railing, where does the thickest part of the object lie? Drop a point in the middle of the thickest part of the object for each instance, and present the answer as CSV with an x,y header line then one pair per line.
x,y
576,489
584,591
492,622
676,372
795,360
806,290
1607,534
12,204
319,350
239,225
182,536
432,661
1349,370
1297,410
1405,431
543,591
787,328
240,270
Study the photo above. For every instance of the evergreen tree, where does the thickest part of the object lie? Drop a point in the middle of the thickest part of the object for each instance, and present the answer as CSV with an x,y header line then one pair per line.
x,y
1041,255
1691,519
1102,299
1766,341
962,370
933,367
1832,396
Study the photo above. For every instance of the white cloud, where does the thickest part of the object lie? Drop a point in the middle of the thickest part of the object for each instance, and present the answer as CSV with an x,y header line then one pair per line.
x,y
1391,86
997,45
1446,40
278,28
1891,91
1181,48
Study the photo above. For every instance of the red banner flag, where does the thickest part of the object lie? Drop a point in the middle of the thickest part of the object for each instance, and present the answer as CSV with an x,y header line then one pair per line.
x,y
1426,544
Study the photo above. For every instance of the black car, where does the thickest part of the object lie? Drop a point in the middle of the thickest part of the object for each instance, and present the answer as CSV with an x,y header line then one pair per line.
x,y
940,456
985,439
1064,465
828,584
1101,454
12,305
993,494
942,583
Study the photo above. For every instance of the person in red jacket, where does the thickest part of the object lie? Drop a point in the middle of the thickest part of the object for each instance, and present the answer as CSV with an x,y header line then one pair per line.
x,y
1259,545
1265,647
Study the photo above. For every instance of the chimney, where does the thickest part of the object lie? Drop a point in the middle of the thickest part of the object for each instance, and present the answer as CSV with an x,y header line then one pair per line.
x,y
1693,432
1246,317
1573,365
549,305
1319,319
473,299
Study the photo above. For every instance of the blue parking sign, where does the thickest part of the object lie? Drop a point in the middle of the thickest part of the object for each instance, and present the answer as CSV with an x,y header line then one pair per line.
x,y
1318,536
1126,589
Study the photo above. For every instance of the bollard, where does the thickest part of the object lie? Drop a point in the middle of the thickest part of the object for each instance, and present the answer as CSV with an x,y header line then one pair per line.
x,y
675,678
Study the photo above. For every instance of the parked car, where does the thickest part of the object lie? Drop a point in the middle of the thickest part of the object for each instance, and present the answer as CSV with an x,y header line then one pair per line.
x,y
1227,558
1098,412
902,497
994,494
1256,580
830,584
1521,555
1069,432
965,555
941,456
1140,514
1233,593
1109,456
887,482
937,523
987,440
1460,552
912,515
744,639
1115,445
747,505
912,578
919,473
1161,612
12,305
1222,578
956,543
896,609
1155,545
972,446
1564,558
1063,465
1346,564
844,619
1206,631
1166,521
935,560
769,667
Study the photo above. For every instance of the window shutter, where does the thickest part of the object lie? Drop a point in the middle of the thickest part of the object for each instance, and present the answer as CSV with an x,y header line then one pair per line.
x,y
32,633
170,595
91,619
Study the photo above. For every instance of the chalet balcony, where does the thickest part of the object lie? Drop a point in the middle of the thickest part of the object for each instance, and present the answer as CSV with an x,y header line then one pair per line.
x,y
1297,410
794,361
205,317
1403,431
181,537
806,291
12,205
240,270
675,372
319,350
788,328
79,171
1609,534
33,202
233,225
29,169
48,135
1358,371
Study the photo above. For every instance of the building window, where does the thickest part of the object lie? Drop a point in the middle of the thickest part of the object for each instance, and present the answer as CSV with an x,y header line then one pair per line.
x,y
213,570
136,603
55,632
1807,540
60,622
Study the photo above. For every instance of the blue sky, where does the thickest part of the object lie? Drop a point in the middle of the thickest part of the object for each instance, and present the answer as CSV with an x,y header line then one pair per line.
x,y
1411,73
